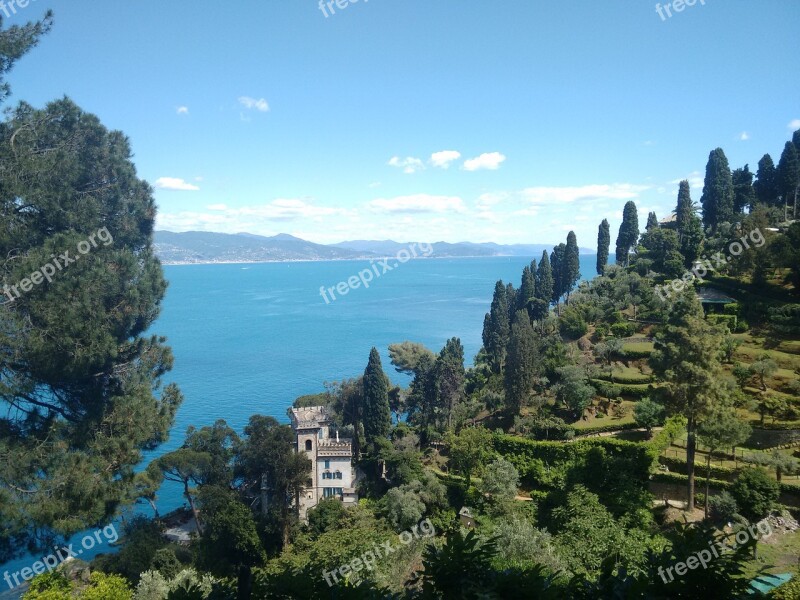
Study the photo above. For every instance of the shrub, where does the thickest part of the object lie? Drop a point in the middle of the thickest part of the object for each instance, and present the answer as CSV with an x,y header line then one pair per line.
x,y
755,493
728,320
572,324
623,330
722,507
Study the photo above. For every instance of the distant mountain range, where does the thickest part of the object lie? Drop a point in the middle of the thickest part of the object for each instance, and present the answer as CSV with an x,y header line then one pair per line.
x,y
194,247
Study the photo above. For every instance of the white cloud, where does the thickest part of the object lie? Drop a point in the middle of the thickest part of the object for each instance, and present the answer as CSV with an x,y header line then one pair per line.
x,y
175,184
260,104
409,164
794,124
444,158
566,195
489,199
488,160
696,180
217,207
744,136
183,110
418,203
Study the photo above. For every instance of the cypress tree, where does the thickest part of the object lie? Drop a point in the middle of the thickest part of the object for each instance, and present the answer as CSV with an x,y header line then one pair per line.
x,y
628,233
744,195
497,328
557,258
766,185
544,279
652,221
377,414
690,230
789,177
524,364
527,289
572,264
796,140
451,377
603,244
717,198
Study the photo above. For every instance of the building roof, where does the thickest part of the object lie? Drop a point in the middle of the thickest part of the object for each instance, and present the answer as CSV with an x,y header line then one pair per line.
x,y
309,417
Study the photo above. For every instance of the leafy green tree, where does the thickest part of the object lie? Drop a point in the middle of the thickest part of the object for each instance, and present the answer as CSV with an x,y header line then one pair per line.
x,y
572,264
403,508
686,358
497,328
469,451
406,356
422,402
603,243
755,493
450,378
744,194
628,233
689,226
721,429
717,198
648,414
326,515
608,349
523,368
81,380
377,414
788,177
766,184
662,248
500,481
573,389
267,466
229,544
652,221
763,368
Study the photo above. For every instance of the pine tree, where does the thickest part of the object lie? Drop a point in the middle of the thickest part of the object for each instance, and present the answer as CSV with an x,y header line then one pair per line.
x,y
744,195
497,328
524,364
789,178
80,369
766,185
690,230
717,199
628,233
686,357
603,244
377,414
572,264
652,221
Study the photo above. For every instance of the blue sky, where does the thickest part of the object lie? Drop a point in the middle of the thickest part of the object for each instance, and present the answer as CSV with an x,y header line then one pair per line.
x,y
417,119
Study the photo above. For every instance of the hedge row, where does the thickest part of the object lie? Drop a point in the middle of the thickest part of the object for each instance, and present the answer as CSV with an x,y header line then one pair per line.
x,y
623,380
700,482
677,465
614,390
635,354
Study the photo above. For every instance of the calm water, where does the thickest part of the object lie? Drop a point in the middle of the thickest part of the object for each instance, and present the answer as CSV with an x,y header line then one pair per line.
x,y
249,339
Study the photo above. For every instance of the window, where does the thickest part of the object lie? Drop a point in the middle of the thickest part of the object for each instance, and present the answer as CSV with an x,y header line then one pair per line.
x,y
338,475
308,445
327,464
320,434
330,492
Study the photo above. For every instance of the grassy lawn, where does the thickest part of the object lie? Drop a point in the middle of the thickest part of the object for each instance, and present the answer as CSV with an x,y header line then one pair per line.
x,y
637,347
593,421
776,554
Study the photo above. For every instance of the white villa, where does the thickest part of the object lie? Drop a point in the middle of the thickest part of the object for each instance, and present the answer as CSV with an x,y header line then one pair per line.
x,y
332,470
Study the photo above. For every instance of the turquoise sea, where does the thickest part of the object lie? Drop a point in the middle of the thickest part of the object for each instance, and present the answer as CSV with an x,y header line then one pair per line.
x,y
250,338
